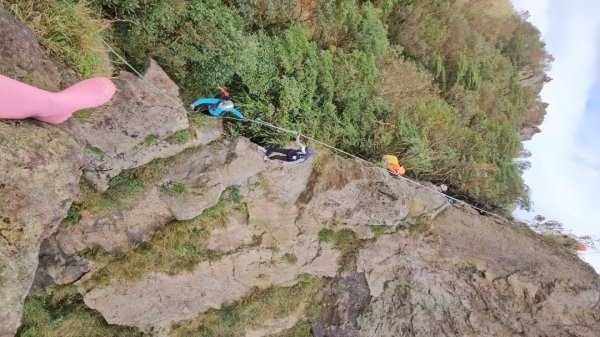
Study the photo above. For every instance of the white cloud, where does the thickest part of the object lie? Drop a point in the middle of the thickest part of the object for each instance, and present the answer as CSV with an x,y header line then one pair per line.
x,y
564,178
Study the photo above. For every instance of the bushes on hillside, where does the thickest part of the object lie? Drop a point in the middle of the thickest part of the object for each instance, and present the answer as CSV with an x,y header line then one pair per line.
x,y
413,78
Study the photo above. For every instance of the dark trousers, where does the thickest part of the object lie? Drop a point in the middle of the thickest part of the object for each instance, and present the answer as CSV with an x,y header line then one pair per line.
x,y
287,153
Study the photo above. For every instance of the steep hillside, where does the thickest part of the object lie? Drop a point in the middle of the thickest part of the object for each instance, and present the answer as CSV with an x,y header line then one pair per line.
x,y
143,219
439,83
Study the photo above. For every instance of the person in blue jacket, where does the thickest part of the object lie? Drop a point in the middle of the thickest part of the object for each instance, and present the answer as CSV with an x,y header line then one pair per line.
x,y
217,106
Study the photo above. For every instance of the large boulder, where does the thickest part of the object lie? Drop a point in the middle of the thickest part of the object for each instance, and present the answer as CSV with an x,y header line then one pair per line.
x,y
145,121
39,176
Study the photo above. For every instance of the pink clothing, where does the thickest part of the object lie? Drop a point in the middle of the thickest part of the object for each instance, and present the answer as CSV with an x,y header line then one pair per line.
x,y
19,100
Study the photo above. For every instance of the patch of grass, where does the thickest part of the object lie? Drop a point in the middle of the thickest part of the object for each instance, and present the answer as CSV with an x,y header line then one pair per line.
x,y
173,189
127,183
176,247
422,225
254,308
94,150
121,189
73,215
68,29
259,184
180,137
97,254
63,313
378,230
92,200
326,235
154,171
149,140
85,115
198,120
233,195
344,240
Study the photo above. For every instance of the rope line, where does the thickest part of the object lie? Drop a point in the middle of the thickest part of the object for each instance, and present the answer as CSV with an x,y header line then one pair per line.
x,y
273,126
267,124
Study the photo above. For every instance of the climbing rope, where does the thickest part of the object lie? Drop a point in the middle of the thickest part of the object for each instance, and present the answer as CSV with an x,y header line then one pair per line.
x,y
270,125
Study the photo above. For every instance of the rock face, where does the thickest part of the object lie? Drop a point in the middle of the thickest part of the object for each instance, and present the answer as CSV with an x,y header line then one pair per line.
x,y
344,301
39,171
39,175
534,81
286,215
470,275
140,126
534,120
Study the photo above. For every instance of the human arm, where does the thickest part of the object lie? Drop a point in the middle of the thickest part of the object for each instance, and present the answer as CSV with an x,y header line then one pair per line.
x,y
236,113
223,91
205,101
298,143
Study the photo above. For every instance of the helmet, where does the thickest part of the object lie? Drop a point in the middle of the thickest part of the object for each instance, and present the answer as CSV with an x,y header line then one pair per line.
x,y
443,187
227,105
401,171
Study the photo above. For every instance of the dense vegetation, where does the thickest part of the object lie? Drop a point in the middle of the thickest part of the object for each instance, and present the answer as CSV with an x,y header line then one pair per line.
x,y
434,82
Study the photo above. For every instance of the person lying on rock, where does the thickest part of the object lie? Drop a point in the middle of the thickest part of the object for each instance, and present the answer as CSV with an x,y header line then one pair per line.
x,y
292,156
20,100
217,106
392,165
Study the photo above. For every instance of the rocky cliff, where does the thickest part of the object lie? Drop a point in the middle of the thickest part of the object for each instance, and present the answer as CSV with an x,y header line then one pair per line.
x,y
194,234
534,80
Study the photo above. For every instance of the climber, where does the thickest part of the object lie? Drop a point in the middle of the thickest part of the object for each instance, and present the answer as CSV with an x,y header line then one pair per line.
x,y
293,156
20,100
441,188
392,165
217,106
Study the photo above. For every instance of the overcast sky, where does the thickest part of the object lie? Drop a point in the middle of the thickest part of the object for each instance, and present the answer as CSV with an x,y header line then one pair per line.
x,y
565,174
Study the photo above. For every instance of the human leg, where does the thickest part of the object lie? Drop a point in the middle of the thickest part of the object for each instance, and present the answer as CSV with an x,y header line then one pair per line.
x,y
20,100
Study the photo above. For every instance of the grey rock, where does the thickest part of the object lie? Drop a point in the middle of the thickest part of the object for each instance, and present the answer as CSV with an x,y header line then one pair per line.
x,y
39,175
478,277
344,300
140,111
208,172
114,231
22,58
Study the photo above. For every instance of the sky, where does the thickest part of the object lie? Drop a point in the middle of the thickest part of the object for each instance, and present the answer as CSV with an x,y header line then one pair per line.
x,y
565,173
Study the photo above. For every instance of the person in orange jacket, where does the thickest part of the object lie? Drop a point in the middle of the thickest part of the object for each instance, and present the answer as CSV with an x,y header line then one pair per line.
x,y
392,165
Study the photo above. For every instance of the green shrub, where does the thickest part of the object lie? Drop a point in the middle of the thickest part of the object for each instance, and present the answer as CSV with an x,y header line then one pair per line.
x,y
62,312
149,140
173,189
328,77
68,29
180,137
